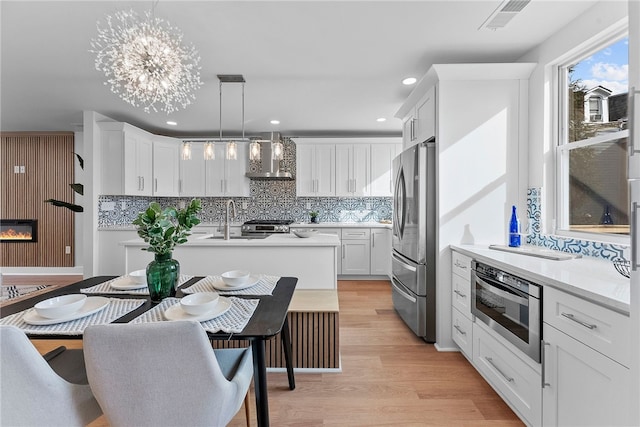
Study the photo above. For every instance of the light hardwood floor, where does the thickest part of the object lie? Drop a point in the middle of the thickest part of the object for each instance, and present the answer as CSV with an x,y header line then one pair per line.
x,y
389,377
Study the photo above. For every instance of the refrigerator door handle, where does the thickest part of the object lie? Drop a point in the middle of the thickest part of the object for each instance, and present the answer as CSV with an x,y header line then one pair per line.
x,y
634,236
632,122
402,292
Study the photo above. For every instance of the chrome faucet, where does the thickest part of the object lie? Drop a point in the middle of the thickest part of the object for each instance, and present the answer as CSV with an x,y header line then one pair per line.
x,y
227,234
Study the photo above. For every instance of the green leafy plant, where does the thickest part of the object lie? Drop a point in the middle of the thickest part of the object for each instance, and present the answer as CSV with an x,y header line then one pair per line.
x,y
165,228
78,188
313,214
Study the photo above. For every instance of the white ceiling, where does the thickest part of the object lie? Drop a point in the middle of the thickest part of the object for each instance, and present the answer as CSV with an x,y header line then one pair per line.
x,y
320,67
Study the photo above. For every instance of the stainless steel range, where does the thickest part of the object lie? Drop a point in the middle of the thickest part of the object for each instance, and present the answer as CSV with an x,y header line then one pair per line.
x,y
261,227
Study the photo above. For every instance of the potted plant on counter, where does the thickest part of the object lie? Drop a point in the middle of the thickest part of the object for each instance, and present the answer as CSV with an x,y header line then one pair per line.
x,y
163,230
314,216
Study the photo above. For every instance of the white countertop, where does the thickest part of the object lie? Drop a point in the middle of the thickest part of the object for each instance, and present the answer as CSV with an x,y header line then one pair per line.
x,y
590,278
339,225
280,240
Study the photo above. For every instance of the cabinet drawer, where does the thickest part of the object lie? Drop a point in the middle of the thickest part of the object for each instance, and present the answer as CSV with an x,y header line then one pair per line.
x,y
461,265
598,327
356,233
510,376
461,330
461,294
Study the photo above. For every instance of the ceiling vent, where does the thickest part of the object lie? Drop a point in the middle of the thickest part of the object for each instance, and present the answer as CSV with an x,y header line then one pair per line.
x,y
504,13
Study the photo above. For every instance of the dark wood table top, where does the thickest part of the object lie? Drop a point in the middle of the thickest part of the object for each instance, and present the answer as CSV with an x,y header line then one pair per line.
x,y
266,322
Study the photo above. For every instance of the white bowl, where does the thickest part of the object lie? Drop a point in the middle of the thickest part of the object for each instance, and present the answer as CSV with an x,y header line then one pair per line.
x,y
235,277
139,276
305,232
56,307
199,303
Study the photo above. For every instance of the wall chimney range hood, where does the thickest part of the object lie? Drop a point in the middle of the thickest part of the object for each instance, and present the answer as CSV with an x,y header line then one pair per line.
x,y
269,168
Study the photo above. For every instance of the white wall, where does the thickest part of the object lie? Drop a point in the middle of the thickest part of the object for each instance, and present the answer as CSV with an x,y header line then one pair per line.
x,y
605,16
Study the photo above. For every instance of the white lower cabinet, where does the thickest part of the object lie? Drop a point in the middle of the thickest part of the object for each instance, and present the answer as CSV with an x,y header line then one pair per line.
x,y
356,251
381,251
515,380
582,386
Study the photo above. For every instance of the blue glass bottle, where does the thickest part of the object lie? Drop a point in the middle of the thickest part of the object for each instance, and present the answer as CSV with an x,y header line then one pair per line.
x,y
514,229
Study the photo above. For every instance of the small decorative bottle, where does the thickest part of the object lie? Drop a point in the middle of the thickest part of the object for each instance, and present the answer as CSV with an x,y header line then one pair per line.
x,y
514,229
606,217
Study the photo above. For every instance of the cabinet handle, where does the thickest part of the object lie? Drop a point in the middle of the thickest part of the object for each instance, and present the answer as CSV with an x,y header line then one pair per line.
x,y
139,185
373,240
343,251
631,123
490,360
634,238
180,186
572,317
222,186
460,330
155,184
459,265
457,292
142,183
544,364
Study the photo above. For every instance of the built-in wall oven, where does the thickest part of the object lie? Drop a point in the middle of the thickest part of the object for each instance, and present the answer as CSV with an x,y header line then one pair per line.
x,y
509,305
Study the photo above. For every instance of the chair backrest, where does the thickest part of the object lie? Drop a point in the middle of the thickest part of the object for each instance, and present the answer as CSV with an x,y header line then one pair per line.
x,y
158,374
31,393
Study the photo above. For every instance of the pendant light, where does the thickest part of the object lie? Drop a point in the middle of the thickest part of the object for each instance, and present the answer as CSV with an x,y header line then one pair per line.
x,y
254,150
209,151
231,150
186,150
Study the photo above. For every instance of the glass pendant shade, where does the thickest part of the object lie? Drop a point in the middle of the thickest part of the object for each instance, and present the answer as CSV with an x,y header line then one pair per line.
x,y
254,151
209,152
186,151
277,150
232,150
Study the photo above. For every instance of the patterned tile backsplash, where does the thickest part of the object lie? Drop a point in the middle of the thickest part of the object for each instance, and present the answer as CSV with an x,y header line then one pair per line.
x,y
583,247
267,200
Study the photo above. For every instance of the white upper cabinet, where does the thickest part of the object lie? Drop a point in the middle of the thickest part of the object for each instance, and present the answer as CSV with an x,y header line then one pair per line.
x,y
192,175
352,170
315,168
166,166
225,177
126,160
419,124
381,179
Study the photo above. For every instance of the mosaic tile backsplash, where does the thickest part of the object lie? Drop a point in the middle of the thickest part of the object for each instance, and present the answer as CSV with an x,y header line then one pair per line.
x,y
267,200
577,246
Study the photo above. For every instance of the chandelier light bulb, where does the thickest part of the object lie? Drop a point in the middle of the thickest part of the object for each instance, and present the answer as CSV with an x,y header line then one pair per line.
x,y
254,151
277,151
186,151
146,63
209,152
232,151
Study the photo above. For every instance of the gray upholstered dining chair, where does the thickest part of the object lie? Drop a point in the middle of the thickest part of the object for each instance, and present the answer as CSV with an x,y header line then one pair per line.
x,y
165,374
32,393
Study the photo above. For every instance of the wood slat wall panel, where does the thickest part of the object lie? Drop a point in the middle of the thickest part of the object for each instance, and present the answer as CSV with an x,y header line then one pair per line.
x,y
49,169
315,342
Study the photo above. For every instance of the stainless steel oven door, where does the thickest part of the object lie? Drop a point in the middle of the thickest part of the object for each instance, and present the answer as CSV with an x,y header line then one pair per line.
x,y
513,314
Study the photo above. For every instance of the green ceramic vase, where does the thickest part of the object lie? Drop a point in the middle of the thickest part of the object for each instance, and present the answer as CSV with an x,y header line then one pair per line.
x,y
163,274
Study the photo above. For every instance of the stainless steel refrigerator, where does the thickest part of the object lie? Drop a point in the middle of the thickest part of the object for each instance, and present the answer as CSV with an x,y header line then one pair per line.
x,y
413,281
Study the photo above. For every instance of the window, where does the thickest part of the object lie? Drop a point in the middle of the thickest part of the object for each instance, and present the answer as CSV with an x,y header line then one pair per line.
x,y
592,145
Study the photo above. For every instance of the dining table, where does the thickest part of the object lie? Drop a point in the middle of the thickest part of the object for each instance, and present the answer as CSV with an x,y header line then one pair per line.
x,y
268,320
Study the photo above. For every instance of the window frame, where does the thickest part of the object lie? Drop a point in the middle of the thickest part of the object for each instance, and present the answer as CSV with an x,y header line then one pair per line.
x,y
562,147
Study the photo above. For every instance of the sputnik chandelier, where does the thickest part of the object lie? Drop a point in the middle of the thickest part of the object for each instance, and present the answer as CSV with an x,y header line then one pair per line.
x,y
145,61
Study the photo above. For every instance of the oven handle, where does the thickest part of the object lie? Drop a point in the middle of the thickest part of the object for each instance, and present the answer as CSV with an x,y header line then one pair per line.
x,y
402,292
496,289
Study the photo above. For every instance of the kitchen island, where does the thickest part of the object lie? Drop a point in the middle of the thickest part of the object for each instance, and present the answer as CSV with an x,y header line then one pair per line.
x,y
312,260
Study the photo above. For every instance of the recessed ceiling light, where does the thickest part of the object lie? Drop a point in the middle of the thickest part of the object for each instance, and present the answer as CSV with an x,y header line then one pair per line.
x,y
275,122
409,81
381,119
172,123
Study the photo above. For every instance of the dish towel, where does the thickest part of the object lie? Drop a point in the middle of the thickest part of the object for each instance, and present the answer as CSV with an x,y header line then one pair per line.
x,y
117,308
105,287
265,286
233,321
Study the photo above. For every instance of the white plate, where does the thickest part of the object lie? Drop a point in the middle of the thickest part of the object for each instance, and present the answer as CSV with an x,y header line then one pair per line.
x,y
221,286
126,283
91,306
175,312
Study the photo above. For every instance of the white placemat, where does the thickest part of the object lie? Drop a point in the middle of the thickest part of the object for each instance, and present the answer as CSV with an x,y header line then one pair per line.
x,y
105,287
233,321
265,286
117,308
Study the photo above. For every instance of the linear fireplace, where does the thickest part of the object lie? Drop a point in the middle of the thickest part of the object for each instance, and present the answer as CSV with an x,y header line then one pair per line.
x,y
19,230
